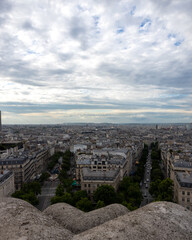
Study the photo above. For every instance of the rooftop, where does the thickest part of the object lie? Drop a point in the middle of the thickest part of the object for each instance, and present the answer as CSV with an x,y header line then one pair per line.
x,y
182,164
109,175
5,174
184,179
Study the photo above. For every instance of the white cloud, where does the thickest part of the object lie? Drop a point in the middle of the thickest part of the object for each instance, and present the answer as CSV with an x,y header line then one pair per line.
x,y
126,54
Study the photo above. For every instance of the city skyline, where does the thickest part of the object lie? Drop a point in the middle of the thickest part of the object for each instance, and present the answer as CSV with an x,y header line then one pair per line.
x,y
91,61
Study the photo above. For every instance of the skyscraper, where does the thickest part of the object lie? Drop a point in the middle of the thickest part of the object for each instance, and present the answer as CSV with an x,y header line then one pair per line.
x,y
0,122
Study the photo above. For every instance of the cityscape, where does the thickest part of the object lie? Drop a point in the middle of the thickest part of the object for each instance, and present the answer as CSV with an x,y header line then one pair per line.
x,y
70,160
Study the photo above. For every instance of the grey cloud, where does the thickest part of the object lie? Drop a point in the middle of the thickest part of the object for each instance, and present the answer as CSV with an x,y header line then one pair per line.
x,y
59,71
65,57
27,25
5,6
80,31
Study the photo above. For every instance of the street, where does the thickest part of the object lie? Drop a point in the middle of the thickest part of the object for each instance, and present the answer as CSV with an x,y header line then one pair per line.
x,y
147,198
47,192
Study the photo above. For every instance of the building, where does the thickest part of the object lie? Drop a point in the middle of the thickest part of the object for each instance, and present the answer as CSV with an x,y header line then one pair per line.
x,y
0,122
25,166
183,189
7,186
91,180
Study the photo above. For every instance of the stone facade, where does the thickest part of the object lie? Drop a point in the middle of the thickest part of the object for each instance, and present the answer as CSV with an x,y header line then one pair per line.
x,y
7,186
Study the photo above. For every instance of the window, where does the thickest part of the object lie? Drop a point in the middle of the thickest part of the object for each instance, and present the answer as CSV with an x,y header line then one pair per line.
x,y
188,199
85,185
183,199
188,193
88,185
183,192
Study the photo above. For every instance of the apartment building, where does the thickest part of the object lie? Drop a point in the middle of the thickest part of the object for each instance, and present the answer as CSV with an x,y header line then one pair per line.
x,y
183,189
7,186
91,180
25,165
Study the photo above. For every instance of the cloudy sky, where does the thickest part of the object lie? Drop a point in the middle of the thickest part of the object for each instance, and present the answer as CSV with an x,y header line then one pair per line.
x,y
119,61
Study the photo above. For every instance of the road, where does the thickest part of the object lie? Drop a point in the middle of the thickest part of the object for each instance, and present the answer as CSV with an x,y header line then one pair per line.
x,y
147,198
47,192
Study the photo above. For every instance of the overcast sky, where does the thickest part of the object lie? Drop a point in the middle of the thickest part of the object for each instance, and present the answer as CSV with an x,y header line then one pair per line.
x,y
118,61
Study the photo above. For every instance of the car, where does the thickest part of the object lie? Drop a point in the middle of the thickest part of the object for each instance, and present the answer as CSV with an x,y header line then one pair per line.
x,y
145,194
144,182
146,186
147,179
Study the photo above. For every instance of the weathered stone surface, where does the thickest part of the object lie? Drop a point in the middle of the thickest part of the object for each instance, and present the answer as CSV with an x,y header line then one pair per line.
x,y
156,221
77,221
20,220
159,220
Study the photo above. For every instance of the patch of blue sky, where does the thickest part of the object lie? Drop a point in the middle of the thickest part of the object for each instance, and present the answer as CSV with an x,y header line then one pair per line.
x,y
178,43
120,30
96,20
145,25
31,52
80,8
171,35
132,12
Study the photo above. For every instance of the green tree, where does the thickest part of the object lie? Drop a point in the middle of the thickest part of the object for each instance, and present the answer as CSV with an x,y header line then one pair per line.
x,y
105,193
84,204
100,204
166,190
129,206
44,176
156,174
62,175
31,198
67,198
59,190
35,187
79,195
154,188
56,199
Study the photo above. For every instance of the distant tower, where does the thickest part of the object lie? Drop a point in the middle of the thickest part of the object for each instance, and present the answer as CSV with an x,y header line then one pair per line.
x,y
0,122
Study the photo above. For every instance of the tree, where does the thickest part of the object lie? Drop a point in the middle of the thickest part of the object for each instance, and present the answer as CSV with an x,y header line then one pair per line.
x,y
59,190
56,199
154,188
67,198
79,195
154,155
130,192
44,176
28,192
166,190
62,175
129,206
84,204
156,174
31,198
105,193
35,187
100,204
